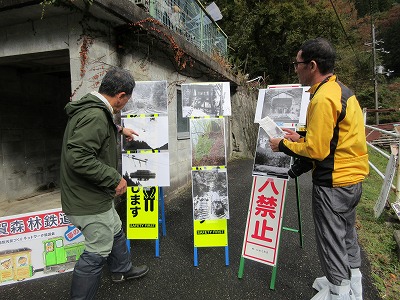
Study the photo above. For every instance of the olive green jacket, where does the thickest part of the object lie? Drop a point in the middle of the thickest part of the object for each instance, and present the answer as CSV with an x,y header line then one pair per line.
x,y
88,169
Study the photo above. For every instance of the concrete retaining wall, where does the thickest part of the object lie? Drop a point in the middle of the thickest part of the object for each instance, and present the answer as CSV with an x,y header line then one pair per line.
x,y
32,116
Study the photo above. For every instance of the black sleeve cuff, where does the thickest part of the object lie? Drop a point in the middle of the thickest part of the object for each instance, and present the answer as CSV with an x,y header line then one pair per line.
x,y
287,151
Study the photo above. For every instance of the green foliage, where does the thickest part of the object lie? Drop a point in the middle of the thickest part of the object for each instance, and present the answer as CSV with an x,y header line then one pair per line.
x,y
367,7
266,35
389,32
354,71
366,97
388,97
203,147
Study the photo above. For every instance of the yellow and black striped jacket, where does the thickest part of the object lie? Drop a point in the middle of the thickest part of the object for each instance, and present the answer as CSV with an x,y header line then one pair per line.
x,y
335,138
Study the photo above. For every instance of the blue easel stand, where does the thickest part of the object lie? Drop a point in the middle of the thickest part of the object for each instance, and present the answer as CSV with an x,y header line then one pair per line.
x,y
157,247
226,256
162,211
161,221
196,257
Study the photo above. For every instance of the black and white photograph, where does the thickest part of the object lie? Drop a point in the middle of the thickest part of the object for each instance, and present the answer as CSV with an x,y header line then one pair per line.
x,y
146,169
267,162
283,105
210,194
149,98
207,137
206,99
153,133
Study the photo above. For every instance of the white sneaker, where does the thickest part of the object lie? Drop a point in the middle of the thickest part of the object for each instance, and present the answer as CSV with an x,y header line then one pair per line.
x,y
320,283
323,294
342,292
356,283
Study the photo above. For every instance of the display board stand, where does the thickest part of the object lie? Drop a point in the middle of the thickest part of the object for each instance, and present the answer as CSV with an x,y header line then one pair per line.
x,y
161,221
162,211
206,104
196,258
299,230
210,233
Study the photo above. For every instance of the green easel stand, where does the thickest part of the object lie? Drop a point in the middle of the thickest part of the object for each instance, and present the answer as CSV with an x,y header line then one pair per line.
x,y
299,230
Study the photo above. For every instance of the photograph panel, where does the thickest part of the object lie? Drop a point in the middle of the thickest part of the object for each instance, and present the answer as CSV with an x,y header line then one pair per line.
x,y
206,99
148,97
146,169
283,105
152,133
210,194
305,100
207,137
267,162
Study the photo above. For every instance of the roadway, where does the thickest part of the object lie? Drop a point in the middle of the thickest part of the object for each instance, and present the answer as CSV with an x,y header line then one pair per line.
x,y
173,276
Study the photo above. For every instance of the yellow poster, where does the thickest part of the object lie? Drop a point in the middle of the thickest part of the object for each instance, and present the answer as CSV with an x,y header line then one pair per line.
x,y
142,213
211,233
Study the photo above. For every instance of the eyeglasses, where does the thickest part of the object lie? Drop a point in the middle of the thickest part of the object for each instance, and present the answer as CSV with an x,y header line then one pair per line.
x,y
295,63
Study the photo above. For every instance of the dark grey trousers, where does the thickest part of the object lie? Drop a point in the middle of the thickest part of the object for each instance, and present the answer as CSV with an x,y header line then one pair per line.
x,y
334,212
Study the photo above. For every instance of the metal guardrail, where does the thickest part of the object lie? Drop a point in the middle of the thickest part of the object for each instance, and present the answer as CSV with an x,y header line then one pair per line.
x,y
395,146
190,19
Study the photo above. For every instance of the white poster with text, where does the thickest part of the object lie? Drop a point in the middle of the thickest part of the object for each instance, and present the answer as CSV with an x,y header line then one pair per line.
x,y
264,220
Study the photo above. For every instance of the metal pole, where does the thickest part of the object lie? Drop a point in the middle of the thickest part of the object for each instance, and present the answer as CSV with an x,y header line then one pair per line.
x,y
299,211
397,130
375,75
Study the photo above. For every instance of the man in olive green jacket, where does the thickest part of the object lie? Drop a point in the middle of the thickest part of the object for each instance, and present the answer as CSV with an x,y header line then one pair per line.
x,y
89,182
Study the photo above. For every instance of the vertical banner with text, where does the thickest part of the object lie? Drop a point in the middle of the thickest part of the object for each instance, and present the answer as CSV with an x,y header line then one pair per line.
x,y
142,212
264,220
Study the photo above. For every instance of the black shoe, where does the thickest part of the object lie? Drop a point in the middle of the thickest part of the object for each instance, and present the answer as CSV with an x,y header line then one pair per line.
x,y
134,272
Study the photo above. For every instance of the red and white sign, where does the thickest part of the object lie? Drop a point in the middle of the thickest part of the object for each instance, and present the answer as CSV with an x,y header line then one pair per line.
x,y
264,220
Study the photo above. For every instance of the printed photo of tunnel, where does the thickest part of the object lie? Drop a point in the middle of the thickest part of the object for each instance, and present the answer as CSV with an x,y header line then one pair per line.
x,y
283,105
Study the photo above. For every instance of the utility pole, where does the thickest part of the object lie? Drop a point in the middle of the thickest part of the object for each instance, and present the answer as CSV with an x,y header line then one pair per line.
x,y
375,74
377,70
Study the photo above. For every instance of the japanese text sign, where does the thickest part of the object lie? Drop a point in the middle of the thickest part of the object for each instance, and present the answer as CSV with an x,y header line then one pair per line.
x,y
37,244
210,233
142,212
264,219
31,223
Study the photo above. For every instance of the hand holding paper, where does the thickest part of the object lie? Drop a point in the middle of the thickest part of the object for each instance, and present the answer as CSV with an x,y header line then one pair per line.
x,y
271,128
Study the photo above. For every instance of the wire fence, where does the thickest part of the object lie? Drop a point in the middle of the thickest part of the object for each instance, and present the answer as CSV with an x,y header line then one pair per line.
x,y
190,19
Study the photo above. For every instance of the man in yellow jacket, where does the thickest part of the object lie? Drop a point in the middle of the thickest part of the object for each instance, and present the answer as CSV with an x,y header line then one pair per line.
x,y
335,144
